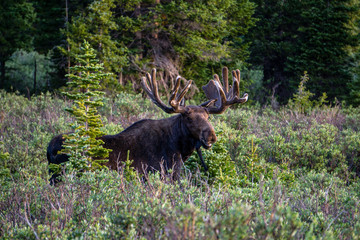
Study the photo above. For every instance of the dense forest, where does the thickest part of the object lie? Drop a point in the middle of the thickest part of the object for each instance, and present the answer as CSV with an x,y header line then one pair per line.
x,y
272,42
285,165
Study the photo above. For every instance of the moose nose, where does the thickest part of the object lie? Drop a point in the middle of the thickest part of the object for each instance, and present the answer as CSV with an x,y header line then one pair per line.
x,y
212,139
208,139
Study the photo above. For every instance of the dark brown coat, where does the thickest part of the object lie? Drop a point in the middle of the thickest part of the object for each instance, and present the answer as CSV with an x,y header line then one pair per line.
x,y
168,141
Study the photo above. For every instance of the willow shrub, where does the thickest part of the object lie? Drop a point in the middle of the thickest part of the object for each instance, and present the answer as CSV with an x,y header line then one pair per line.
x,y
26,128
104,204
271,189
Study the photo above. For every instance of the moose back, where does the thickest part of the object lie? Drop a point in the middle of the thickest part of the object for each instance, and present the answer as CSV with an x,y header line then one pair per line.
x,y
153,144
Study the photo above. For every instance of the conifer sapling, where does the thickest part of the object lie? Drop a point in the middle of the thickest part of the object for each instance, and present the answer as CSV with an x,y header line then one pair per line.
x,y
84,149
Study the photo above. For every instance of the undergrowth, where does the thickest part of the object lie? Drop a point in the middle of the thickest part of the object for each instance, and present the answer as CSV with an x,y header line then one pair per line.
x,y
273,175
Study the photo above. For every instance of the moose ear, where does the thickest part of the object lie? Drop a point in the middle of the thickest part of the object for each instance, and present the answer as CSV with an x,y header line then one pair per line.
x,y
187,111
212,92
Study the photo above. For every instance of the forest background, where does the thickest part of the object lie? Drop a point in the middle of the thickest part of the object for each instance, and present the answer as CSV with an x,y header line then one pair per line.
x,y
271,42
286,164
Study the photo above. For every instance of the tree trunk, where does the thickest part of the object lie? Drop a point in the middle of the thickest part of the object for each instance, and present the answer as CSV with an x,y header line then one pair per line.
x,y
156,30
67,31
120,77
138,35
2,69
35,70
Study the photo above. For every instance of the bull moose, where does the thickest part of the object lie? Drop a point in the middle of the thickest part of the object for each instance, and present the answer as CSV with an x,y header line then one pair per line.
x,y
153,144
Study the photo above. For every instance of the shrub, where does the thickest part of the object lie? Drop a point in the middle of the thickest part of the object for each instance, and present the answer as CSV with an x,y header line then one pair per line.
x,y
30,72
351,150
26,128
288,176
221,169
301,101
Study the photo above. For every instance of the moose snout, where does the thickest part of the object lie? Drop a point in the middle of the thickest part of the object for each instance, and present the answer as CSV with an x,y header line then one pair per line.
x,y
208,139
212,138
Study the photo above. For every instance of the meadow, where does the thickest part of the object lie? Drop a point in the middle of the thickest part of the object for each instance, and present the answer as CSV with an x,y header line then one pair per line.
x,y
290,173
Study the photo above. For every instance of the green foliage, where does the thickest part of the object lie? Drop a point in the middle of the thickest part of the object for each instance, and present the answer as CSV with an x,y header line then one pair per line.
x,y
324,34
109,206
311,35
176,36
29,72
4,157
209,22
234,161
221,169
296,177
84,149
16,19
26,127
128,171
96,25
301,101
202,34
354,85
314,148
193,39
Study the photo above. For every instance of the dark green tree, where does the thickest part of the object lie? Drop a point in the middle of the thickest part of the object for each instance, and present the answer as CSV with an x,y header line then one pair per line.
x,y
84,149
321,48
192,37
96,25
273,42
16,28
50,17
354,85
296,36
177,37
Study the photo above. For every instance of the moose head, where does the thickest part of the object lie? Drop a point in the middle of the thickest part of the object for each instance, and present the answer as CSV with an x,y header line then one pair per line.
x,y
196,118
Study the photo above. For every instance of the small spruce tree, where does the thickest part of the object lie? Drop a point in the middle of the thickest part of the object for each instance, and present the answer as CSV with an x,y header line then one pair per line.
x,y
84,149
301,101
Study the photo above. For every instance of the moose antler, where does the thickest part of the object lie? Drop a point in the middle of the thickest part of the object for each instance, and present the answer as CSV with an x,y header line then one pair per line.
x,y
225,96
150,86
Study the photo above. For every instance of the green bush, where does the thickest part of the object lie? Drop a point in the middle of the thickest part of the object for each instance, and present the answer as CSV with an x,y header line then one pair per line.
x,y
221,169
22,66
104,204
27,126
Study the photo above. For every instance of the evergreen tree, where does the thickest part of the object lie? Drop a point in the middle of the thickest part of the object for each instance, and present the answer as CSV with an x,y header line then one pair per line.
x,y
354,95
192,36
49,19
84,149
16,19
96,25
296,36
179,37
273,42
323,37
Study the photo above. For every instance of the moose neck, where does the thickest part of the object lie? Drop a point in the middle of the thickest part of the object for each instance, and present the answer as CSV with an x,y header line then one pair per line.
x,y
184,142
